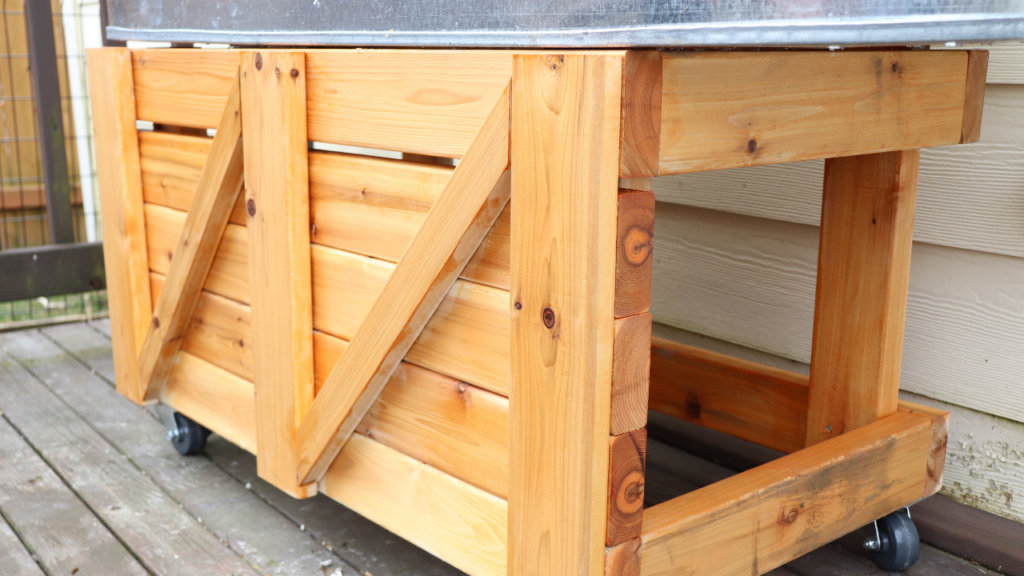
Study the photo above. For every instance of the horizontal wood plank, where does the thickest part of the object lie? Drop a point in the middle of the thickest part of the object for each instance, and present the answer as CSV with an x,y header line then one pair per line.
x,y
183,87
429,102
758,108
456,522
760,519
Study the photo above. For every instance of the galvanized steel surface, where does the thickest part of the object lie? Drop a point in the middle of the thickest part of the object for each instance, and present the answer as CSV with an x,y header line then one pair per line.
x,y
568,23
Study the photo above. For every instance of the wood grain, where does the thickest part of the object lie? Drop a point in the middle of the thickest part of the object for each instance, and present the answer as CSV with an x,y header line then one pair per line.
x,y
974,96
631,370
457,428
215,197
124,233
640,148
466,339
171,167
430,102
627,457
277,202
215,398
750,401
460,524
867,227
565,137
456,224
634,253
624,559
765,517
183,87
790,105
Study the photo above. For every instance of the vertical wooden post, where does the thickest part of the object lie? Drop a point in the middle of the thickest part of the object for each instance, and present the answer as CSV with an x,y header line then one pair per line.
x,y
565,138
124,226
867,226
277,203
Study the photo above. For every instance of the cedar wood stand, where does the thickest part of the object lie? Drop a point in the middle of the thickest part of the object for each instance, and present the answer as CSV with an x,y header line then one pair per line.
x,y
491,403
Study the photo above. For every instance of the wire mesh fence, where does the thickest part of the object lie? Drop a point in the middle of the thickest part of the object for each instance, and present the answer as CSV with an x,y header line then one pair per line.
x,y
23,216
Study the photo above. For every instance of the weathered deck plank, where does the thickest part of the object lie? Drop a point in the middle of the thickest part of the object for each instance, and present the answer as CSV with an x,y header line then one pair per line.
x,y
59,529
351,537
236,516
148,521
15,560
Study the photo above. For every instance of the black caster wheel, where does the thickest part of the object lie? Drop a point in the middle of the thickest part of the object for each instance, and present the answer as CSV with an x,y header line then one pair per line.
x,y
188,438
893,541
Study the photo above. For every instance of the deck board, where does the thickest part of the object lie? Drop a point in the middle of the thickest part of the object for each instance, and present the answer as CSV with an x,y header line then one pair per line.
x,y
15,559
50,519
66,407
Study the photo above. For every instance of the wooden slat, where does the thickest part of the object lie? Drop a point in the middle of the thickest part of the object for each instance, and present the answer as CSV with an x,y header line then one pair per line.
x,y
974,95
730,109
863,275
760,519
183,87
565,139
450,235
371,206
124,234
641,114
459,429
634,253
754,402
751,401
430,102
217,192
631,370
229,273
627,462
351,199
277,202
171,166
466,339
213,397
456,522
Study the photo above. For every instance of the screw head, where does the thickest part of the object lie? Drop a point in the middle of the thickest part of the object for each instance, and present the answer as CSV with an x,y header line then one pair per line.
x,y
828,428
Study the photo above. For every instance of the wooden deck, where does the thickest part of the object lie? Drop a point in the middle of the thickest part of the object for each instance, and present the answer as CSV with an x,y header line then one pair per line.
x,y
90,485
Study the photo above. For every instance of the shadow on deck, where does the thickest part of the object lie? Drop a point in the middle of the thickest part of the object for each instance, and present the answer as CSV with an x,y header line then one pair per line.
x,y
90,485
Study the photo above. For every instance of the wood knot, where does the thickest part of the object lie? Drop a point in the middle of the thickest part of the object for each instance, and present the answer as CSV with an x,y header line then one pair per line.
x,y
549,318
519,305
752,146
637,246
294,73
258,60
156,322
277,71
693,408
250,207
788,517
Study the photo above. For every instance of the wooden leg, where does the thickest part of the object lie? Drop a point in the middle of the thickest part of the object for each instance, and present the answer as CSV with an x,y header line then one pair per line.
x,y
277,203
124,232
565,136
863,272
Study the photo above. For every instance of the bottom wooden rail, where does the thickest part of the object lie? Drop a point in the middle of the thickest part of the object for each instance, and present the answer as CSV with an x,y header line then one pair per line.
x,y
760,519
751,401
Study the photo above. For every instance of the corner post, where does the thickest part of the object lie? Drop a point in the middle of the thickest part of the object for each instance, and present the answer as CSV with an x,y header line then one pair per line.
x,y
565,157
867,226
124,224
277,203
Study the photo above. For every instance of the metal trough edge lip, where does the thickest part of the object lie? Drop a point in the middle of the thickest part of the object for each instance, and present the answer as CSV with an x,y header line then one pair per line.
x,y
816,32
